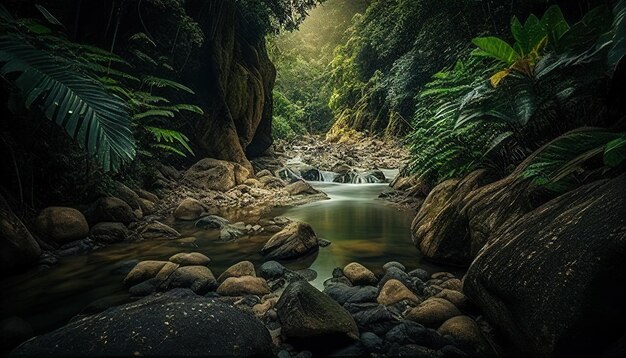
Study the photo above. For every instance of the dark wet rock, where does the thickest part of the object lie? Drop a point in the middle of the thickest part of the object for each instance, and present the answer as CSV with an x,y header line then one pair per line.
x,y
337,280
243,268
393,273
372,317
18,248
103,304
62,224
171,324
411,351
420,273
451,351
347,294
212,222
395,264
359,274
79,247
145,288
271,270
308,274
230,233
394,291
110,209
295,240
307,314
324,242
433,312
353,350
371,342
337,272
452,284
189,209
158,230
408,332
245,285
301,188
190,259
109,233
567,254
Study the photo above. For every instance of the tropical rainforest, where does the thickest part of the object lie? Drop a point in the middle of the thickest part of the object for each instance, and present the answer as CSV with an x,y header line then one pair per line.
x,y
304,178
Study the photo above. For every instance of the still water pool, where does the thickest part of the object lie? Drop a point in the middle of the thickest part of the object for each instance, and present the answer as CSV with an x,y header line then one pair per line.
x,y
361,228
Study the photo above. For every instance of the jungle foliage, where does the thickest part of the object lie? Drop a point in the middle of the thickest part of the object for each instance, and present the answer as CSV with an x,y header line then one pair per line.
x,y
502,102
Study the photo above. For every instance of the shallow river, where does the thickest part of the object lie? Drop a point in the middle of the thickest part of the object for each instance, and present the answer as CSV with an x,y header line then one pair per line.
x,y
361,228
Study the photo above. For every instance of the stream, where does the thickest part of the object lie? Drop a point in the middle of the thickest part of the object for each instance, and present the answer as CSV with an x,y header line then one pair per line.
x,y
360,226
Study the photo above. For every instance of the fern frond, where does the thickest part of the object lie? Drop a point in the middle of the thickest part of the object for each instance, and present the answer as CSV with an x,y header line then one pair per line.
x,y
162,83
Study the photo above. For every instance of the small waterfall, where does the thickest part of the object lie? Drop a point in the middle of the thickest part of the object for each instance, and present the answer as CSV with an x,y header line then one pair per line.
x,y
366,178
328,176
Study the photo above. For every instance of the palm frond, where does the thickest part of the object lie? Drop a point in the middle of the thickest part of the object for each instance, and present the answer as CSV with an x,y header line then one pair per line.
x,y
98,120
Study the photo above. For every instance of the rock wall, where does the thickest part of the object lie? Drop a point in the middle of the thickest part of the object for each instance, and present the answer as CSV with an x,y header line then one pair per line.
x,y
236,78
552,282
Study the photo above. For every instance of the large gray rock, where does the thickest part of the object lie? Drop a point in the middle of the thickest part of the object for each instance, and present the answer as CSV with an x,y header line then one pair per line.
x,y
439,230
109,233
552,280
213,174
17,245
62,224
301,188
189,209
177,323
308,314
110,209
295,240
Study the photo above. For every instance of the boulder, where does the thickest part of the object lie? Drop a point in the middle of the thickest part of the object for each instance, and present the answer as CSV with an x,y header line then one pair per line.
x,y
243,268
295,240
254,183
158,230
176,323
110,209
230,233
245,285
272,182
109,233
308,315
213,174
144,194
18,248
62,224
359,274
351,294
465,331
263,173
439,229
197,278
394,291
548,280
455,297
271,270
147,207
301,188
128,195
146,270
190,259
189,209
212,222
433,312
395,264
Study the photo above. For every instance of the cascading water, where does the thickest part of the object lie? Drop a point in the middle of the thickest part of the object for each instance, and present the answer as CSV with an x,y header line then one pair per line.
x,y
327,177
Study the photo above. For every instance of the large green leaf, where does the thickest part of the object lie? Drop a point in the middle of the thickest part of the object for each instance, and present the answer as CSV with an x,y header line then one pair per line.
x,y
615,152
619,37
98,120
555,25
495,48
595,23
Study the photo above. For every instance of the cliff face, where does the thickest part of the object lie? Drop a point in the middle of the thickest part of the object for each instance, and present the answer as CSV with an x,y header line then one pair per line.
x,y
236,78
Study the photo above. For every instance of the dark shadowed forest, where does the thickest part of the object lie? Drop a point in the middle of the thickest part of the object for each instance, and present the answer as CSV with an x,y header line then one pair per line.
x,y
312,178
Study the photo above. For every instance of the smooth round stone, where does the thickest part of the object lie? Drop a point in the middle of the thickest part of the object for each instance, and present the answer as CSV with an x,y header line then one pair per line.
x,y
190,259
393,264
